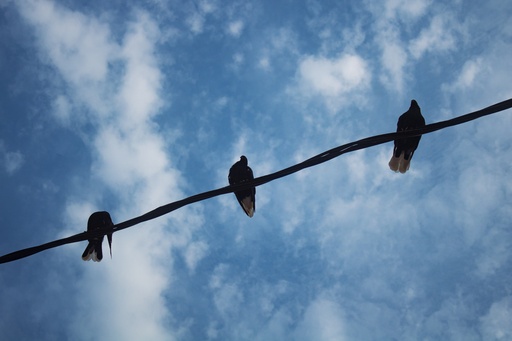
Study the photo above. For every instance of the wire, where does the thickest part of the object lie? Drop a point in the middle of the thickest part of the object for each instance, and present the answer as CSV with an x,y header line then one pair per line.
x,y
313,161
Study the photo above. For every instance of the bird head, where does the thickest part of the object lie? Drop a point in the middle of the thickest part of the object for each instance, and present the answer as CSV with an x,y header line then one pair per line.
x,y
414,104
243,159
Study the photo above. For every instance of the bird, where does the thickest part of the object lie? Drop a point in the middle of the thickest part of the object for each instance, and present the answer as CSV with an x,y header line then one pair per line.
x,y
405,147
98,220
239,173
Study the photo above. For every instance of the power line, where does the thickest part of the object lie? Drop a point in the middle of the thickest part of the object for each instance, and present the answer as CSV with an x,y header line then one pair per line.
x,y
313,161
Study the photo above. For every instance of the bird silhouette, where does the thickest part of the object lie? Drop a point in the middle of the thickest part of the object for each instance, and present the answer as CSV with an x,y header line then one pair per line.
x,y
98,220
238,173
404,148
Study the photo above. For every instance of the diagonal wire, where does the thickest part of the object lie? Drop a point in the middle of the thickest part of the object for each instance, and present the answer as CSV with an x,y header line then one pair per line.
x,y
313,161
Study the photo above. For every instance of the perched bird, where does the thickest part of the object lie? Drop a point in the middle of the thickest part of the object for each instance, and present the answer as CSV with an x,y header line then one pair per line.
x,y
404,148
239,173
96,221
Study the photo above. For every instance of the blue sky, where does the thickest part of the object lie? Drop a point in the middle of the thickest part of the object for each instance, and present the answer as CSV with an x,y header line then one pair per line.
x,y
128,106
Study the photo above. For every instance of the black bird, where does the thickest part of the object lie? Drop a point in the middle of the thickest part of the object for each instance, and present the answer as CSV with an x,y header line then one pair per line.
x,y
404,148
96,221
239,173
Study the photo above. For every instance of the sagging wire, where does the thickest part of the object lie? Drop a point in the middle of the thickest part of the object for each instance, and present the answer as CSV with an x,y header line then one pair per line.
x,y
313,161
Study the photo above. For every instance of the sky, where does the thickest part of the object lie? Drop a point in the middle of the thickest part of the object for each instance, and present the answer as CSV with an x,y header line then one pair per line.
x,y
126,106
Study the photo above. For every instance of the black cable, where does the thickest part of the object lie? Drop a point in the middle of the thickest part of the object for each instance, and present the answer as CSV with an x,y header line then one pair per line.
x,y
313,161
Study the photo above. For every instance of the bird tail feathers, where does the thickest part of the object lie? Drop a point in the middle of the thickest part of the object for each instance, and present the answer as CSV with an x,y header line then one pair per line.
x,y
248,206
92,252
399,164
404,165
394,163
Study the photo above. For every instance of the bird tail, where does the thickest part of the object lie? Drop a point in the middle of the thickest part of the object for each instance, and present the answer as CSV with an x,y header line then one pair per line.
x,y
109,238
404,165
394,163
248,206
400,164
93,251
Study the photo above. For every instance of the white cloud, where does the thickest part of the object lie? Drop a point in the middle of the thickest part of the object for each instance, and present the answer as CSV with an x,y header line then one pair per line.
x,y
264,63
130,160
196,22
323,320
139,92
278,46
483,79
11,160
72,46
227,294
394,59
235,28
236,61
222,102
70,51
336,81
389,17
238,58
283,39
468,74
399,9
496,253
399,255
126,157
495,325
207,6
277,327
414,9
62,109
195,251
436,38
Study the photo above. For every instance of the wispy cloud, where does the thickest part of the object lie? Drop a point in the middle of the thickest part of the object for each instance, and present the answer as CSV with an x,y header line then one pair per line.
x,y
494,325
197,18
130,159
336,81
344,250
11,160
322,320
436,38
235,28
389,17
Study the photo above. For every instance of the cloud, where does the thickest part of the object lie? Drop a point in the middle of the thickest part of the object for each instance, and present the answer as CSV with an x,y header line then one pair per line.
x,y
394,60
207,6
235,28
468,74
264,63
482,79
278,46
227,294
62,109
195,251
495,325
11,160
389,17
69,50
322,320
72,46
406,9
196,20
345,250
130,160
436,38
336,81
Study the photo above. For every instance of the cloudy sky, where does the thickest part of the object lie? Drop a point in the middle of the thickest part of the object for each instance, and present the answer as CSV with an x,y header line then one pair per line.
x,y
125,107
